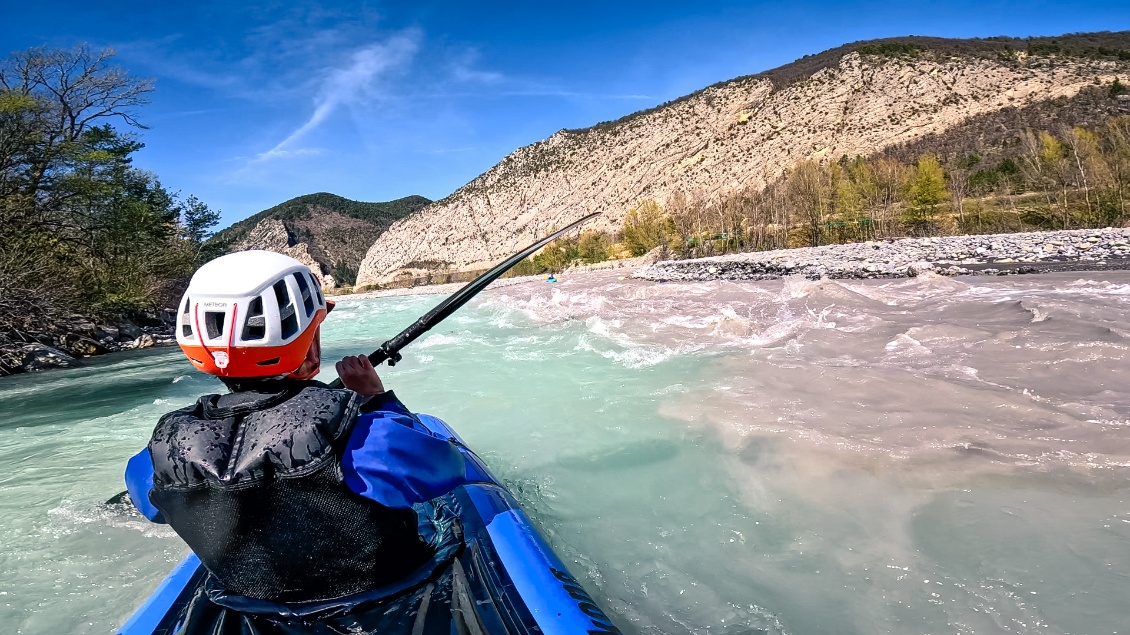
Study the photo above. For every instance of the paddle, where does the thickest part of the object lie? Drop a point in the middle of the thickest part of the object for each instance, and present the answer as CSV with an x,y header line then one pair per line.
x,y
390,350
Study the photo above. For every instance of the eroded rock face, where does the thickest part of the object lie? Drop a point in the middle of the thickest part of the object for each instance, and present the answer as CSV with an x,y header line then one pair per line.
x,y
738,134
272,235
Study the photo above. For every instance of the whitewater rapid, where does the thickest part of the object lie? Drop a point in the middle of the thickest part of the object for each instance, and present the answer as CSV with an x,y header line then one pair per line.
x,y
923,455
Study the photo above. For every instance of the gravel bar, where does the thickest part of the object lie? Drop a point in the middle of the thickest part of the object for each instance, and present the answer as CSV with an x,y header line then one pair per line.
x,y
990,254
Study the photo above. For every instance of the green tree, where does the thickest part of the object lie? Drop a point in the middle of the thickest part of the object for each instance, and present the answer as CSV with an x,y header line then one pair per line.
x,y
927,188
810,196
646,227
593,246
556,255
73,208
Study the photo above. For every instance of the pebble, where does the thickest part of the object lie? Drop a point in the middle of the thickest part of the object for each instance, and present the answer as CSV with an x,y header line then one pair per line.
x,y
904,257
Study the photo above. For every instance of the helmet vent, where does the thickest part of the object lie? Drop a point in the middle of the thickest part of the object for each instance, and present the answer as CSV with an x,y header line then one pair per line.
x,y
304,289
268,362
286,310
185,321
214,323
255,328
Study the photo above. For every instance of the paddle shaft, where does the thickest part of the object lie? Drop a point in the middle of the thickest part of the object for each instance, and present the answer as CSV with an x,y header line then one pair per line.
x,y
390,350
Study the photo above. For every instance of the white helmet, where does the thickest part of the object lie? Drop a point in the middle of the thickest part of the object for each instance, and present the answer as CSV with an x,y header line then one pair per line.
x,y
250,314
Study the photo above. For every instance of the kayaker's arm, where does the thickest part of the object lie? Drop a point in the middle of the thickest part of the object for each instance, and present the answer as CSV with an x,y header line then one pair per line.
x,y
139,480
392,459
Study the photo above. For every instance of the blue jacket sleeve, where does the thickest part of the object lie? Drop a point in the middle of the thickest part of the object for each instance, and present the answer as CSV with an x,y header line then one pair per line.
x,y
393,459
139,480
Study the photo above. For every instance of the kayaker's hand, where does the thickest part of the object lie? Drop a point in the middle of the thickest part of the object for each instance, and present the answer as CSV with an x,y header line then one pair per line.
x,y
358,375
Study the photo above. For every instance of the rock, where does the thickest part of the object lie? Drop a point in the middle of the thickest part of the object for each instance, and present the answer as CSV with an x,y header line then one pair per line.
x,y
106,331
272,234
82,346
128,330
76,324
144,341
656,255
38,357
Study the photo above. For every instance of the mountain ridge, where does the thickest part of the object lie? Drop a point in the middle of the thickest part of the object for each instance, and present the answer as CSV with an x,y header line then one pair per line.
x,y
744,132
327,232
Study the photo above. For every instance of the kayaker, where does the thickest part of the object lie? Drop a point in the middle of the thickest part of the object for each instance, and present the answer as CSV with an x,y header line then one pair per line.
x,y
287,490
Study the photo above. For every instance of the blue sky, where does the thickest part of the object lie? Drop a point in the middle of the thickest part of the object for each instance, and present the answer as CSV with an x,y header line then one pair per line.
x,y
258,103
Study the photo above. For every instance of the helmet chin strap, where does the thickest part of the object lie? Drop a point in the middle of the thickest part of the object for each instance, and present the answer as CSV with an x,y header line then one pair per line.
x,y
304,376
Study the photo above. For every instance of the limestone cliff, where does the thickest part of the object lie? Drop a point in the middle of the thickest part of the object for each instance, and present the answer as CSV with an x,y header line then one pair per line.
x,y
328,233
271,234
854,100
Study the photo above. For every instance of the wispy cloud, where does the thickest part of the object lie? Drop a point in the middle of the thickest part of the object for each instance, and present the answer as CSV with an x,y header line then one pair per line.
x,y
276,153
463,70
352,84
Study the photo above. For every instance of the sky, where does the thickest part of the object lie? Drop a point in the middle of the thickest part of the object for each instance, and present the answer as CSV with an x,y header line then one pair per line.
x,y
258,102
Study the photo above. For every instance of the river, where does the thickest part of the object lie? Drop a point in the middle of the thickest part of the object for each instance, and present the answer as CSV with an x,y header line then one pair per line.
x,y
927,455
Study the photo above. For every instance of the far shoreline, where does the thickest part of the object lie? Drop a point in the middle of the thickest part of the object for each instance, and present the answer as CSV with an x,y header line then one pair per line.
x,y
1106,249
1080,250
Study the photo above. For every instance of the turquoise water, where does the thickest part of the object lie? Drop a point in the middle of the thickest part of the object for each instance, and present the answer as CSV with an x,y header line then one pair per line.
x,y
915,456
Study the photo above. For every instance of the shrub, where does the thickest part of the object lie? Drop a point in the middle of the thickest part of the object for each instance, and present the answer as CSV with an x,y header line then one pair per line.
x,y
646,227
593,246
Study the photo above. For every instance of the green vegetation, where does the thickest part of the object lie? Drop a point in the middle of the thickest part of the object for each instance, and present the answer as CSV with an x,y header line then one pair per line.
x,y
927,189
1073,177
1068,178
891,49
83,231
382,214
645,228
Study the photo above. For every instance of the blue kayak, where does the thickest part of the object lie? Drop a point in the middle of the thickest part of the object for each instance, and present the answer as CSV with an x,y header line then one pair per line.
x,y
501,578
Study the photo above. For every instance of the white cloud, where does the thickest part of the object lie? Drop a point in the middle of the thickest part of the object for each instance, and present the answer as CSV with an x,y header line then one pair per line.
x,y
276,153
352,84
463,70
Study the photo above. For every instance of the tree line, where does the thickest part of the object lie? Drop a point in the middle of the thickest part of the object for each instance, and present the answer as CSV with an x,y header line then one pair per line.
x,y
82,230
1070,178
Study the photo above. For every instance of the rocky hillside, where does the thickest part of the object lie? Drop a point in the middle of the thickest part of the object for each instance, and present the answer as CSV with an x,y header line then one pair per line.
x,y
858,99
329,233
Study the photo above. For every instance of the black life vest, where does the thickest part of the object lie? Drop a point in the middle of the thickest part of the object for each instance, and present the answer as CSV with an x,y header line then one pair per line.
x,y
252,482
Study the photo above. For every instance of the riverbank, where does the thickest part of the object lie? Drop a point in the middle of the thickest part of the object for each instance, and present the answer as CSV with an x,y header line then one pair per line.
x,y
64,344
989,254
